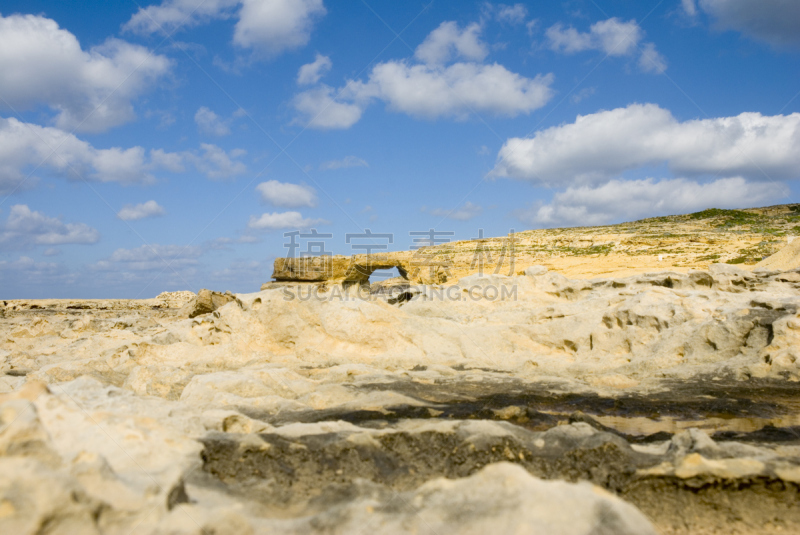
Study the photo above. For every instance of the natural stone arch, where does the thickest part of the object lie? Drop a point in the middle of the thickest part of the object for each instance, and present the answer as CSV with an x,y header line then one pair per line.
x,y
412,266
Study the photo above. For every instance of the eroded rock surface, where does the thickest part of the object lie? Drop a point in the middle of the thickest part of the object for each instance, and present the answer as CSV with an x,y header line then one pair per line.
x,y
670,399
205,302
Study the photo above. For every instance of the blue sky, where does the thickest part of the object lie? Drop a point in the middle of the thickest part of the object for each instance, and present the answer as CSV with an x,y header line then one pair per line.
x,y
169,146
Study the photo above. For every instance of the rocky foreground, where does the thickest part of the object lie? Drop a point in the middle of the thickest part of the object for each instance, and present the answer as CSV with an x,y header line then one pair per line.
x,y
657,403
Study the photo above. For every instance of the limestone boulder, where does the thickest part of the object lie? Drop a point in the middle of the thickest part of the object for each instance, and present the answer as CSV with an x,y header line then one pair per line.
x,y
785,259
205,302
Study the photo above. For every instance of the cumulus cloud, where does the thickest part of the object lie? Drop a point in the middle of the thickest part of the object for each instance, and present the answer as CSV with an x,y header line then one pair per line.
x,y
283,220
612,36
311,73
651,60
265,26
456,90
448,41
774,21
344,163
512,14
430,89
25,228
689,7
131,212
209,123
633,199
26,147
216,163
91,91
172,15
584,93
213,161
604,144
322,111
463,213
272,26
428,92
287,195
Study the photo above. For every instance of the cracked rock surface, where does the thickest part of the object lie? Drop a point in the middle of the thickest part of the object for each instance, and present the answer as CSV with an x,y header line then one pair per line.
x,y
665,402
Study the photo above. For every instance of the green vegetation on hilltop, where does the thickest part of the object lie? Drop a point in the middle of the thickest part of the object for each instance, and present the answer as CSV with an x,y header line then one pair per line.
x,y
729,218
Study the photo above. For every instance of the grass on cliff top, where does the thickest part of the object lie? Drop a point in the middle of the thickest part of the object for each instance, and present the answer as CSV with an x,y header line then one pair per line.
x,y
770,222
729,218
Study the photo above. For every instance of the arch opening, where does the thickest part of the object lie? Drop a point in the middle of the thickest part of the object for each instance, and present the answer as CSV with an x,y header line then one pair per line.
x,y
383,275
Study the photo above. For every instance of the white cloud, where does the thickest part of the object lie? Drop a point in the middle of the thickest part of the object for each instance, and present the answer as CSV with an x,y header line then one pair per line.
x,y
131,212
448,41
209,123
464,213
287,195
584,93
26,228
216,163
91,91
604,144
774,21
344,163
24,146
454,91
512,14
272,26
266,26
213,161
311,73
634,199
323,112
651,60
612,36
689,7
171,161
430,90
174,14
275,221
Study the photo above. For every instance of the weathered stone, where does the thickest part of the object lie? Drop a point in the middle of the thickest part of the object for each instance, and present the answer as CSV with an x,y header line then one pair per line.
x,y
785,259
206,302
291,412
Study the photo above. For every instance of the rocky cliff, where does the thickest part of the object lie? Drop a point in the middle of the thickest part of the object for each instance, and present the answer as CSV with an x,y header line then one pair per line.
x,y
680,243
